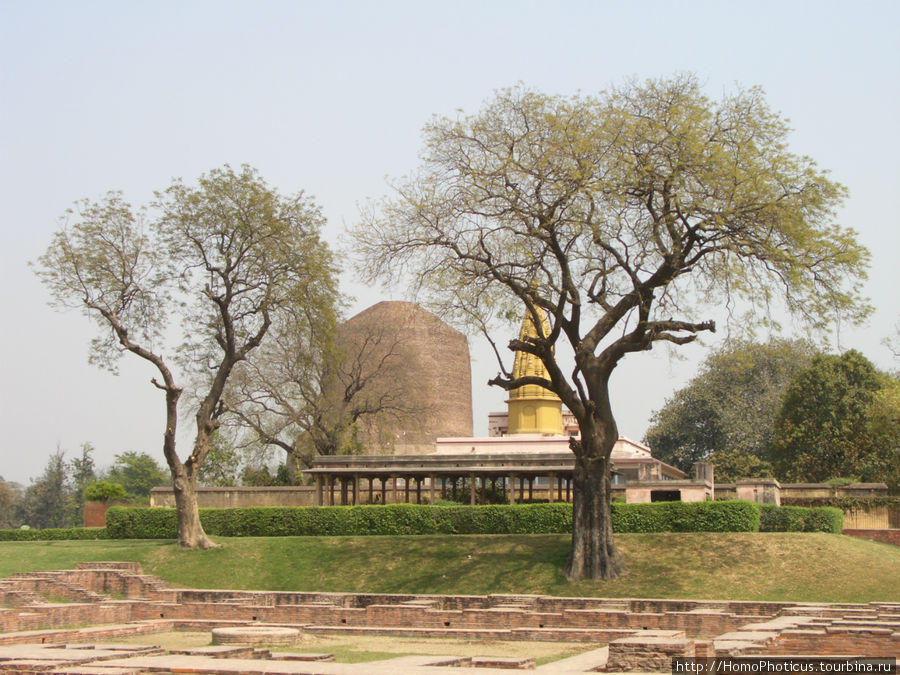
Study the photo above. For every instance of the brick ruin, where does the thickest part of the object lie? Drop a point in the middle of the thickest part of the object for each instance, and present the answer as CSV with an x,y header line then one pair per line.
x,y
110,600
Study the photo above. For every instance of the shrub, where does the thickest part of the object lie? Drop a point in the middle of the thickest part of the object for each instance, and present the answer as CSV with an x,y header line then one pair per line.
x,y
103,490
54,534
410,519
800,519
824,519
137,522
726,516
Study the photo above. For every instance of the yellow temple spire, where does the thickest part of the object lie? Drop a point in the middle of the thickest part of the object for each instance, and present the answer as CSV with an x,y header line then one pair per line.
x,y
532,408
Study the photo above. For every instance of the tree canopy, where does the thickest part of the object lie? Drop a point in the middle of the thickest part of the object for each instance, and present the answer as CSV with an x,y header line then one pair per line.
x,y
226,256
137,473
623,217
840,419
726,413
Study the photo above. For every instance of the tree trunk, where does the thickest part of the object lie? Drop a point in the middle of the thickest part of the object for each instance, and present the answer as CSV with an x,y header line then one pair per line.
x,y
593,554
190,530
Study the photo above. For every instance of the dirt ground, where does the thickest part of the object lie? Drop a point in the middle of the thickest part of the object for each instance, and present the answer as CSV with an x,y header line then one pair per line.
x,y
358,648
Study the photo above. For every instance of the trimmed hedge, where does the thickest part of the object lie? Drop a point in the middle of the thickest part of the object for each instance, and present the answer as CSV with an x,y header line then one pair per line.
x,y
801,519
411,519
54,534
726,516
391,519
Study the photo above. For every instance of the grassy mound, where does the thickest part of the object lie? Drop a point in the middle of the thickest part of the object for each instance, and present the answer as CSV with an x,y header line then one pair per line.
x,y
723,566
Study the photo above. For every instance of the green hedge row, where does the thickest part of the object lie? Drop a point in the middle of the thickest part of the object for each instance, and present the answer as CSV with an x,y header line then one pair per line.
x,y
391,519
726,516
801,519
408,519
54,534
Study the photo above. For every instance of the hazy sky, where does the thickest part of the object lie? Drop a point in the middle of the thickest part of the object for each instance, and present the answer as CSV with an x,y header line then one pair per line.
x,y
330,97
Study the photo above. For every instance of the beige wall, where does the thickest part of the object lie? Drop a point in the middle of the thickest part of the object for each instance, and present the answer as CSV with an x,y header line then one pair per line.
x,y
241,496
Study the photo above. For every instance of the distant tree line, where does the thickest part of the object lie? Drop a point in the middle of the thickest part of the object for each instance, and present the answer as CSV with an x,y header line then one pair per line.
x,y
56,498
784,409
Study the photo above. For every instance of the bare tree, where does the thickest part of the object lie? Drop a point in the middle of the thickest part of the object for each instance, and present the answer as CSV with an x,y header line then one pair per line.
x,y
318,390
228,257
620,217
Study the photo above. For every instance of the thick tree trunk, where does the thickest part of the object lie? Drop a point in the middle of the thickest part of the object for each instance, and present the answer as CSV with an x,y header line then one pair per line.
x,y
190,530
593,554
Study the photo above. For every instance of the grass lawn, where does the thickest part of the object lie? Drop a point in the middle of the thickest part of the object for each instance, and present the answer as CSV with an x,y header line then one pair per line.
x,y
732,566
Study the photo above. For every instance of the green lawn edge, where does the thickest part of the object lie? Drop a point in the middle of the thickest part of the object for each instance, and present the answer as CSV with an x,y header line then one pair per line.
x,y
779,566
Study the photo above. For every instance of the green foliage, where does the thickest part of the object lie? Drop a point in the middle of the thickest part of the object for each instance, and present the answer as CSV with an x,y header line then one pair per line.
x,y
10,497
55,534
848,503
141,523
103,490
45,502
799,519
222,464
263,477
840,417
138,473
409,519
626,216
229,258
730,516
392,519
726,413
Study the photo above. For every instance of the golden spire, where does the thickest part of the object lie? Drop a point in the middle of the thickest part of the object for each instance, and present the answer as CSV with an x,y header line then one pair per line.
x,y
532,408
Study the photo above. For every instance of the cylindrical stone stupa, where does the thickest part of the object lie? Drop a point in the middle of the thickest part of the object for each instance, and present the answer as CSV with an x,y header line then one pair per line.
x,y
421,365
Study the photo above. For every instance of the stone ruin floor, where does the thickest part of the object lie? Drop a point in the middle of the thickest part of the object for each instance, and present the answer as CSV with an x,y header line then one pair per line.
x,y
114,600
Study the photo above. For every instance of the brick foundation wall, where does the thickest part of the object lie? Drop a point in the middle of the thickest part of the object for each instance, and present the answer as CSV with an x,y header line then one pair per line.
x,y
643,634
885,536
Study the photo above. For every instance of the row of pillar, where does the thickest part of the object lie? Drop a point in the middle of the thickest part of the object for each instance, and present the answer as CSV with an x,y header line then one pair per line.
x,y
348,488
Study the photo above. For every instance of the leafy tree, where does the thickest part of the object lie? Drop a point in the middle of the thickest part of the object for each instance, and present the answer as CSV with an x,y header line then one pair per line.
x,y
103,491
262,477
10,498
840,418
883,428
620,216
222,465
726,413
227,257
137,473
81,471
45,499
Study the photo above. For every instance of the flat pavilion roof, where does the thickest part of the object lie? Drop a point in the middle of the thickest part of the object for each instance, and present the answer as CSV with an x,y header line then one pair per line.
x,y
449,465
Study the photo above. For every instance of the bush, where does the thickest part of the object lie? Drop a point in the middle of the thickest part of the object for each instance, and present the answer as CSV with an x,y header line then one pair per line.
x,y
138,522
54,534
800,519
726,516
825,519
102,491
410,519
